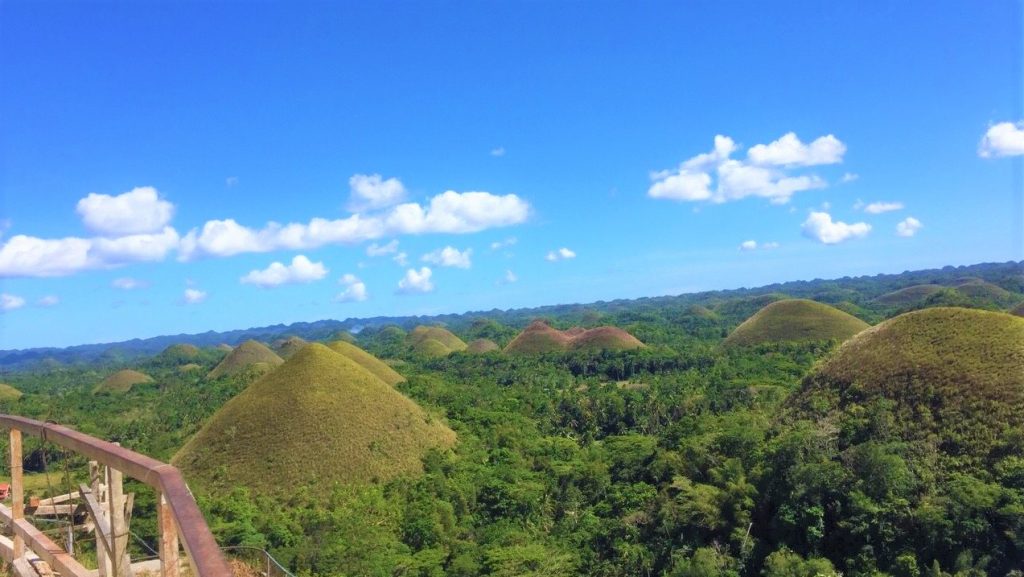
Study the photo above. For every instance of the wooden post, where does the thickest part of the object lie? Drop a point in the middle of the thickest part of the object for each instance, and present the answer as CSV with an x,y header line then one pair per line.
x,y
168,539
17,489
118,527
102,558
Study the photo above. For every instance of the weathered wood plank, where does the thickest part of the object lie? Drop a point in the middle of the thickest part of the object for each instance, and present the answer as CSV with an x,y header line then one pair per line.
x,y
42,546
17,488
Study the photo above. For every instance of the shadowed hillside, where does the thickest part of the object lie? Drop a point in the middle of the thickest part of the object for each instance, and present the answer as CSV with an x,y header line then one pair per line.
x,y
909,295
318,419
480,346
795,320
285,348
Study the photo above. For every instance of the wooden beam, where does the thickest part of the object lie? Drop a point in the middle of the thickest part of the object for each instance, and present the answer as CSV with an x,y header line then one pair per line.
x,y
97,480
118,523
17,489
60,499
169,556
105,544
42,546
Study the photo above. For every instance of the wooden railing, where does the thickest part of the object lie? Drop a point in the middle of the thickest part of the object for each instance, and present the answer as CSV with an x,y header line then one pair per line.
x,y
180,521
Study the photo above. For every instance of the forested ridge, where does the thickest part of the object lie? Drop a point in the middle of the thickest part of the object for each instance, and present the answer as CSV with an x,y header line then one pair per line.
x,y
683,458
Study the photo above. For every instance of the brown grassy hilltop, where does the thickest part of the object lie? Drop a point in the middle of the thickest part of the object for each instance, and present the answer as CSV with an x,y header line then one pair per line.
x,y
379,368
426,340
285,348
317,420
122,381
795,320
247,355
540,337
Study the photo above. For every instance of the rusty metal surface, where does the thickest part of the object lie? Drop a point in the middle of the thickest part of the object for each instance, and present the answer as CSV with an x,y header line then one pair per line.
x,y
195,535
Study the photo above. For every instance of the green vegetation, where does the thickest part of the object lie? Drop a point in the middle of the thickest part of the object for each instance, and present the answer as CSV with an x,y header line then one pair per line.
x,y
369,362
909,295
122,381
318,420
480,346
795,320
1018,310
180,353
248,355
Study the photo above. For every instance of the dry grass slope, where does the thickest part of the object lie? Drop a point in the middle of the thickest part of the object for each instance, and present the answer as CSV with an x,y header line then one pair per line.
x,y
977,288
9,393
441,335
431,348
1018,310
909,295
605,338
795,320
180,352
122,381
538,338
955,375
317,420
244,356
481,346
285,348
369,362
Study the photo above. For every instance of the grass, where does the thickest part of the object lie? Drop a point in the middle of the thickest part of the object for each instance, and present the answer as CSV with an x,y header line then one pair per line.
x,y
431,348
795,320
285,348
539,337
9,393
909,295
317,420
188,368
439,334
179,353
244,355
605,338
955,376
977,288
1018,310
481,346
369,362
122,381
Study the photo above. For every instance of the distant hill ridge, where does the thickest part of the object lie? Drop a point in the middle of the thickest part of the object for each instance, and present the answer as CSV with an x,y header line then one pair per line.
x,y
871,288
540,337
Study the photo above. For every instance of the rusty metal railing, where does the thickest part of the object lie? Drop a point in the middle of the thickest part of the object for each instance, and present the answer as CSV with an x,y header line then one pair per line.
x,y
179,517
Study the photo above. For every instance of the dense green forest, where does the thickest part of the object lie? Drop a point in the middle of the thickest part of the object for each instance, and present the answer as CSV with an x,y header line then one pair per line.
x,y
683,458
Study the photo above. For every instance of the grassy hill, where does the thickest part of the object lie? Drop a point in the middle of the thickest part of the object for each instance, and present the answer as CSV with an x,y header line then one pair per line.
x,y
908,295
9,393
954,376
604,338
122,381
179,353
538,337
287,347
431,348
369,362
317,420
1018,310
246,355
795,320
480,346
439,334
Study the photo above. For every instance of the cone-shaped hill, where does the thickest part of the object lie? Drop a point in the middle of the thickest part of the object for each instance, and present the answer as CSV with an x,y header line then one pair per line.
x,y
9,393
225,347
909,295
1018,310
369,362
950,376
180,353
795,320
122,381
285,348
421,336
318,419
539,337
480,346
250,354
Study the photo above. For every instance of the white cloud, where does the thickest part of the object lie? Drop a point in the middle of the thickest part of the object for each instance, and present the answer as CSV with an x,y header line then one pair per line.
x,y
908,227
509,278
355,290
371,192
401,259
134,248
128,283
560,254
381,250
138,211
716,177
510,241
416,281
748,245
849,177
500,151
302,270
9,302
48,301
449,256
881,207
449,212
789,151
28,256
1003,139
820,226
194,296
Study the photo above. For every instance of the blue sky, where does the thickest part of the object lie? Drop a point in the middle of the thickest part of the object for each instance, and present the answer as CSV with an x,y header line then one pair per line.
x,y
157,159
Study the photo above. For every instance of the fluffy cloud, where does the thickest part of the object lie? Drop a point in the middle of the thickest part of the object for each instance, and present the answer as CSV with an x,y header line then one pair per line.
x,y
717,177
381,250
1003,139
9,302
748,245
908,227
194,296
454,212
302,270
355,290
560,254
138,211
789,151
370,192
880,207
48,301
449,256
416,281
401,259
128,283
820,226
